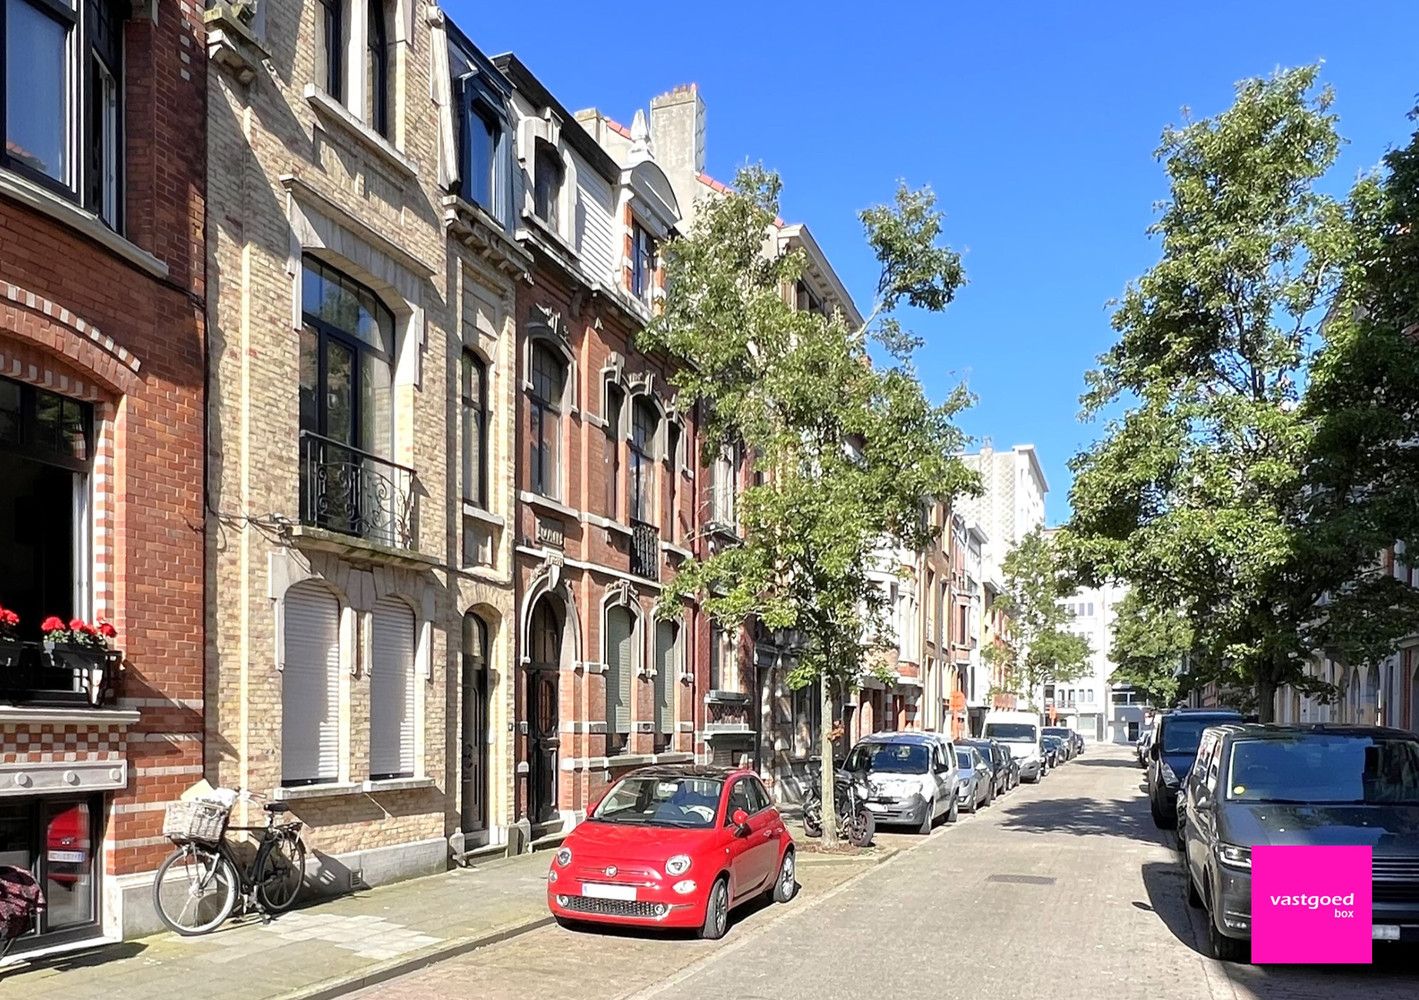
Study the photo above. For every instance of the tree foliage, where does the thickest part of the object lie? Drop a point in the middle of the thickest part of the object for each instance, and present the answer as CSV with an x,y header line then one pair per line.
x,y
1040,649
1264,415
1150,648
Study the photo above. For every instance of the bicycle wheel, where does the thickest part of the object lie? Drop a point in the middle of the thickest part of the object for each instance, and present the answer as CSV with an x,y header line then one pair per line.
x,y
195,889
282,875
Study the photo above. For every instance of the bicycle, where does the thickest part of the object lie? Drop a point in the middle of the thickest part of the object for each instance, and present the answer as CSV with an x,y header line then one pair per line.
x,y
198,884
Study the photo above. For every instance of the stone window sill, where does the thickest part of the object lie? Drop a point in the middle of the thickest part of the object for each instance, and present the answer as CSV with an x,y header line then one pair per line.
x,y
84,222
547,503
333,110
396,784
471,509
331,790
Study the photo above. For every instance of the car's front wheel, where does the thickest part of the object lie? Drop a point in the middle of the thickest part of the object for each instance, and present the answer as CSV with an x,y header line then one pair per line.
x,y
1222,947
954,812
1160,819
1194,898
716,911
928,816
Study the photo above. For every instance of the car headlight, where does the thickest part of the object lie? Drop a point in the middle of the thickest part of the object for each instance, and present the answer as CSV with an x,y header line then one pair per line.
x,y
1170,777
551,874
564,857
678,865
1234,855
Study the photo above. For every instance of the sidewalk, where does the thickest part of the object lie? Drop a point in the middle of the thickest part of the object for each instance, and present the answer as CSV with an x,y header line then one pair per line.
x,y
328,949
323,950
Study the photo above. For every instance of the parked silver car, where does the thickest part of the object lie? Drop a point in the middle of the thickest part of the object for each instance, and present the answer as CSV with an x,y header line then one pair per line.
x,y
974,787
911,778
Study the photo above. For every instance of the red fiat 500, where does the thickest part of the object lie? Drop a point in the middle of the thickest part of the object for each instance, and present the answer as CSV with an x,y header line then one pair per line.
x,y
674,846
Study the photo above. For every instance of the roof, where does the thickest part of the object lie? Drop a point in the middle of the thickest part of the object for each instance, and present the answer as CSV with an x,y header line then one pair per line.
x,y
901,736
686,771
1274,730
572,131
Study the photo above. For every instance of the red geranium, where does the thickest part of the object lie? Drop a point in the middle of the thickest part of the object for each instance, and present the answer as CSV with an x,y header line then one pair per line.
x,y
52,624
77,632
9,621
107,630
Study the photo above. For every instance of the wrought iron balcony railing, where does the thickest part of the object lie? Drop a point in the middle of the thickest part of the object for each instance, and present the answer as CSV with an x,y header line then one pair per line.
x,y
356,493
645,550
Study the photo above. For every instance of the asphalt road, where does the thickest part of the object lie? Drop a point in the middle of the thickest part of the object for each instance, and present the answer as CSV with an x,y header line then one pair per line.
x,y
1062,890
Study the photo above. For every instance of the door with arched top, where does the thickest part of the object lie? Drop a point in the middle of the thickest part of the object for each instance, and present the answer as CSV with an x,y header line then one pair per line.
x,y
543,719
475,730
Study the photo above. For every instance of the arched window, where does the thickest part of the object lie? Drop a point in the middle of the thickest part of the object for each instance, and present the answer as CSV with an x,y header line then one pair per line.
x,y
392,689
475,429
645,423
615,401
474,728
620,668
310,686
377,69
549,377
545,639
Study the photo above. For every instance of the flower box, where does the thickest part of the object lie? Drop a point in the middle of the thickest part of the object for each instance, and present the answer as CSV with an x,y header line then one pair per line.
x,y
10,650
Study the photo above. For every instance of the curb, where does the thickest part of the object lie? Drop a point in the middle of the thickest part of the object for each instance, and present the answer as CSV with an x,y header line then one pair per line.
x,y
394,968
812,858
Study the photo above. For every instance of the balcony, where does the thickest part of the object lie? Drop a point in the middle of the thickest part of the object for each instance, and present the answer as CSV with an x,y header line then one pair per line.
x,y
32,674
645,550
352,492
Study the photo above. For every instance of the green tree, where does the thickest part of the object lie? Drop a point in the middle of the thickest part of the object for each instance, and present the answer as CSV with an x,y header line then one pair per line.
x,y
848,450
1236,395
1041,649
1150,648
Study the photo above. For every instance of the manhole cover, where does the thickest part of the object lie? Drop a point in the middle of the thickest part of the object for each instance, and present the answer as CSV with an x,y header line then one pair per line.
x,y
1022,879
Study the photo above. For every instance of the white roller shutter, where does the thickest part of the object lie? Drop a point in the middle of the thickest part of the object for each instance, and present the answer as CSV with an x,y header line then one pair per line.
x,y
618,670
391,690
665,634
310,686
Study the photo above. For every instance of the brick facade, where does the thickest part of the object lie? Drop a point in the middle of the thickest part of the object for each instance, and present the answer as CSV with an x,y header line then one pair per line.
x,y
117,321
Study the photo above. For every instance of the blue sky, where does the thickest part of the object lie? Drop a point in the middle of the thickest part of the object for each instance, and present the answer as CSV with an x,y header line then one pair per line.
x,y
1035,123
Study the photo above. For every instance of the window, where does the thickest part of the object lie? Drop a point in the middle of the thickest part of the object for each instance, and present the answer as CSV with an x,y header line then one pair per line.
x,y
667,635
475,429
738,800
758,795
62,88
392,690
615,399
672,456
620,668
642,262
645,422
377,69
310,686
724,664
331,66
547,185
482,142
806,301
722,488
549,376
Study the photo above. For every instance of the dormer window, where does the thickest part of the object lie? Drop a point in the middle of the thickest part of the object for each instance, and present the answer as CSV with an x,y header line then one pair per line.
x,y
484,161
643,262
483,134
547,185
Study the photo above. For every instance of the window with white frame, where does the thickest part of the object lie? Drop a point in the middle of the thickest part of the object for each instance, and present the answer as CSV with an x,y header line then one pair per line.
x,y
615,403
723,492
357,30
643,262
673,437
310,686
63,89
667,644
392,689
475,429
620,669
547,177
377,68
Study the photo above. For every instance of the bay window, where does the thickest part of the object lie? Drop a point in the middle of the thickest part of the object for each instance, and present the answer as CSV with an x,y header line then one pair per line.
x,y
62,87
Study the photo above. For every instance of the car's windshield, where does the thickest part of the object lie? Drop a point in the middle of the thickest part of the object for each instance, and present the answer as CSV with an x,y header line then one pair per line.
x,y
1021,732
891,758
1182,735
985,750
645,800
1325,769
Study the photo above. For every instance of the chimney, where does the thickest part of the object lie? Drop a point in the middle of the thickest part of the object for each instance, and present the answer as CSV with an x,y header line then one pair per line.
x,y
677,126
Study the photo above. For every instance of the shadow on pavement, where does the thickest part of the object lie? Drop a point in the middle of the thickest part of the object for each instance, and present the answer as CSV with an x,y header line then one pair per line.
x,y
1082,817
1163,881
1124,762
101,955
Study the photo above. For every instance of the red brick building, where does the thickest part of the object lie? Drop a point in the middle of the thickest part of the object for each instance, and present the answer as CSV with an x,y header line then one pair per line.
x,y
102,182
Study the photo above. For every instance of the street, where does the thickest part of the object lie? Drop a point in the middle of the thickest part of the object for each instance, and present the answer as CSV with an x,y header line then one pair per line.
x,y
1061,890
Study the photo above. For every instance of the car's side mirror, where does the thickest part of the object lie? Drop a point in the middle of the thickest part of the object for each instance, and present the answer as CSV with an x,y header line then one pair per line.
x,y
740,819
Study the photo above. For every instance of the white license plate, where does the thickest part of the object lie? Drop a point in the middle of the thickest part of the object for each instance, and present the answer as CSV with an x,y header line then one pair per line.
x,y
601,890
877,807
67,857
1385,932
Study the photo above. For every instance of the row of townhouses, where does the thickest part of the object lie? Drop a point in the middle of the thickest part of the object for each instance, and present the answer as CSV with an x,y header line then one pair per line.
x,y
330,467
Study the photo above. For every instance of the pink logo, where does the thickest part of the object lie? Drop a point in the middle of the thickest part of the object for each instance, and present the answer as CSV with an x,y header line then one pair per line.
x,y
1311,905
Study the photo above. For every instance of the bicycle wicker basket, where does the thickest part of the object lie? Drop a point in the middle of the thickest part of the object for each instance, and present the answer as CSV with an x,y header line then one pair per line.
x,y
196,820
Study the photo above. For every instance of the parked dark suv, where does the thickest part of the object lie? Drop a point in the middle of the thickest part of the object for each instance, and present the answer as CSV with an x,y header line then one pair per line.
x,y
1176,735
1307,785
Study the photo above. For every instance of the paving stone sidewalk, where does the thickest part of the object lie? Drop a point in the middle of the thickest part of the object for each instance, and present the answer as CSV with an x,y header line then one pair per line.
x,y
324,950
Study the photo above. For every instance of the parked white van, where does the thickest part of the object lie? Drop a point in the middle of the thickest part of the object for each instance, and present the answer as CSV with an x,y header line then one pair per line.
x,y
1020,731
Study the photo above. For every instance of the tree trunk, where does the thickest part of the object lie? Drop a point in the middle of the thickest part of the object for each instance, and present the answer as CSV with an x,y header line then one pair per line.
x,y
829,773
1266,699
